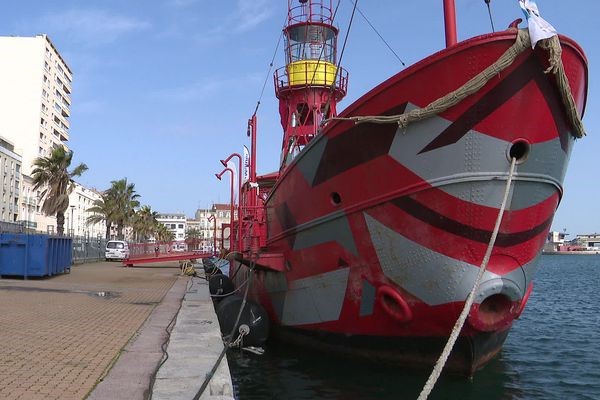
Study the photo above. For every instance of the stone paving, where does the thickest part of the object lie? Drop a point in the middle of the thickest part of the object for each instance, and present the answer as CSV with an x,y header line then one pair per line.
x,y
60,336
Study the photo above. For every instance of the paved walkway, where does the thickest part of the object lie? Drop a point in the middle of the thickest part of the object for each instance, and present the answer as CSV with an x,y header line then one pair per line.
x,y
194,347
60,336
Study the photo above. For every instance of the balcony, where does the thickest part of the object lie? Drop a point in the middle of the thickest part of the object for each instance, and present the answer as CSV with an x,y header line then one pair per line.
x,y
61,121
28,224
63,95
29,201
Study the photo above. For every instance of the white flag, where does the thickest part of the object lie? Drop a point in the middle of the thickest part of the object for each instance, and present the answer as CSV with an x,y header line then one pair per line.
x,y
539,28
246,165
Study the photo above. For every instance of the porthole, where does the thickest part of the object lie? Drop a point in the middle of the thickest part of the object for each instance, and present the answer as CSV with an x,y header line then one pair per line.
x,y
336,199
519,149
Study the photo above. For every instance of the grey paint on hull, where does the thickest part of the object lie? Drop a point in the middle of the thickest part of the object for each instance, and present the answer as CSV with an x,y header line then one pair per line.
x,y
310,160
522,194
367,301
530,269
435,278
469,169
276,286
336,229
316,299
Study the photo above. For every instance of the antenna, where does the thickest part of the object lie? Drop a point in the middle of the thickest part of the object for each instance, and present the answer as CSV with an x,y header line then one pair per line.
x,y
487,2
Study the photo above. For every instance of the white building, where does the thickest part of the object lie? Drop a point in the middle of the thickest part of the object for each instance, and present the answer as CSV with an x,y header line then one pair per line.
x,y
194,225
76,216
30,204
35,101
176,223
221,213
591,240
10,176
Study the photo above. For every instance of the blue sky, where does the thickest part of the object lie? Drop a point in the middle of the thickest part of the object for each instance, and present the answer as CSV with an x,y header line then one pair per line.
x,y
163,88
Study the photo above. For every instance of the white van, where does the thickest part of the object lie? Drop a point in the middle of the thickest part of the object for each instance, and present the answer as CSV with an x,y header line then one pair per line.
x,y
116,250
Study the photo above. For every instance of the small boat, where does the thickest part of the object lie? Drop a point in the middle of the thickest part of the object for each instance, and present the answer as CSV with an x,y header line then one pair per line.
x,y
370,238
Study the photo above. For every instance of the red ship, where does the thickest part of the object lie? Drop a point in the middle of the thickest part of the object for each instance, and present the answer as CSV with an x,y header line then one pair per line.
x,y
369,239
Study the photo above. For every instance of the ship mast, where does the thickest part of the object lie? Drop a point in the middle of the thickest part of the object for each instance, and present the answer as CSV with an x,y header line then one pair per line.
x,y
311,83
450,22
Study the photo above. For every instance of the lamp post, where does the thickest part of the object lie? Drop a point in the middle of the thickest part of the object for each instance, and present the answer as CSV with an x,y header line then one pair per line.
x,y
224,162
251,131
72,208
219,176
214,221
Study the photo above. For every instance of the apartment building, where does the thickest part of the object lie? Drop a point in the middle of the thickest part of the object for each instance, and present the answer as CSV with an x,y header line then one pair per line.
x,y
194,225
81,200
35,103
176,223
10,176
221,213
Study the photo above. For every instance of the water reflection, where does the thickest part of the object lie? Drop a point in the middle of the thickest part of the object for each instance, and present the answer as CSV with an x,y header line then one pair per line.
x,y
288,372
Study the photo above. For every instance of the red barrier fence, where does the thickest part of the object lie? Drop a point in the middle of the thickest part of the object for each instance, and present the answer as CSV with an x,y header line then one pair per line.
x,y
142,253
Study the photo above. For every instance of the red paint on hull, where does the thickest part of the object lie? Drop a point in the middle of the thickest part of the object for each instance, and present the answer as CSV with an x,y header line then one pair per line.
x,y
355,211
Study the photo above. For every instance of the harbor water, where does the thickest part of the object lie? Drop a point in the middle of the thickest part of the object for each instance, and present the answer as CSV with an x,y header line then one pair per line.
x,y
552,352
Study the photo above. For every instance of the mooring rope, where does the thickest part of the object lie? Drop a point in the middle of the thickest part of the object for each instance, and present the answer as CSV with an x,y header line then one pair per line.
x,y
439,365
552,45
476,83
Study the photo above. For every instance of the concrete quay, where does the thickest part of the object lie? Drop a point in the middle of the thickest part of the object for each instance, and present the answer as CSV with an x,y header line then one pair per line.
x,y
97,333
194,347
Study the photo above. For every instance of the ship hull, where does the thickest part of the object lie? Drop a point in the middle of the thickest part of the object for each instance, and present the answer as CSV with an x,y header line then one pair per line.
x,y
382,230
469,353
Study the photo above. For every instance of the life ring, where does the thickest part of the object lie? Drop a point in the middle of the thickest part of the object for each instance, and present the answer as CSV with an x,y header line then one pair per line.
x,y
393,304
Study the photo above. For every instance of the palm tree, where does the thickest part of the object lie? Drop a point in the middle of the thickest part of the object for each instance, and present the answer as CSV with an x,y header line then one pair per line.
x,y
103,211
163,234
192,238
52,173
124,200
144,223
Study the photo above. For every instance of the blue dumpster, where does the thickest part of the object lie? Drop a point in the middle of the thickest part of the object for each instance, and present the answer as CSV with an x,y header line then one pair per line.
x,y
34,255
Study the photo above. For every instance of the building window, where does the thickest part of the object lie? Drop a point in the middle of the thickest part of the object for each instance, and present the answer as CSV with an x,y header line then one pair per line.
x,y
180,226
